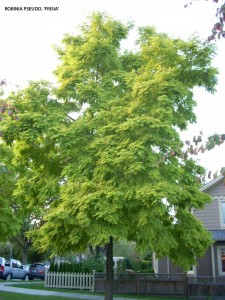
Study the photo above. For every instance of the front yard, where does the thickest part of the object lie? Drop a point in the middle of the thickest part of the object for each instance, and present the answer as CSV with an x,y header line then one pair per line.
x,y
39,285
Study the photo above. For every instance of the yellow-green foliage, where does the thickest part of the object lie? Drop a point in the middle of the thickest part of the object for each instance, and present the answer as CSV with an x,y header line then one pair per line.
x,y
115,169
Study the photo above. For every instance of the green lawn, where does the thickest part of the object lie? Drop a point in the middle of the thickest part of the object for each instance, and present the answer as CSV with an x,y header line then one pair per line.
x,y
40,286
14,296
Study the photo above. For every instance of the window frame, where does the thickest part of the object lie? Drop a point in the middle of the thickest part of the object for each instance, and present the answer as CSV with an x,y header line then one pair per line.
x,y
220,269
222,220
192,271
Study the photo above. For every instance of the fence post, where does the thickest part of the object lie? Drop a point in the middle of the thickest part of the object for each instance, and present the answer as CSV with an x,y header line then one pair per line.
x,y
46,274
93,281
138,283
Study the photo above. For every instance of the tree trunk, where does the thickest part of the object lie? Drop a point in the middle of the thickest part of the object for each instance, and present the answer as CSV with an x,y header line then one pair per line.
x,y
24,256
109,270
91,250
25,251
97,251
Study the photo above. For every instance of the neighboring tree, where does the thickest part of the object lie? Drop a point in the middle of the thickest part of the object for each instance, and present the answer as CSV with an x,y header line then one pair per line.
x,y
26,111
9,221
107,171
218,28
34,255
96,251
123,248
21,241
198,145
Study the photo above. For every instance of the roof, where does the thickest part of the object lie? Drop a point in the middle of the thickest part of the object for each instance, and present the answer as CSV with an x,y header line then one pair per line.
x,y
218,235
212,183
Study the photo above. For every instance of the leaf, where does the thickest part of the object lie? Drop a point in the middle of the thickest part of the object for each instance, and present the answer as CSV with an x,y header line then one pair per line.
x,y
202,149
98,175
199,140
209,174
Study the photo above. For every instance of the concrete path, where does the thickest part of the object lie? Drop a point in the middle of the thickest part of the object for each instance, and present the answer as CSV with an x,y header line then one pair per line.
x,y
6,287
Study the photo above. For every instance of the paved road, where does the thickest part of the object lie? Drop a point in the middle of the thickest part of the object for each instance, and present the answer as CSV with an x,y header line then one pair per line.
x,y
6,287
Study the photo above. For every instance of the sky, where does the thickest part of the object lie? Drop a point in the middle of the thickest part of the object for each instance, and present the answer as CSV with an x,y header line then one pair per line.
x,y
27,39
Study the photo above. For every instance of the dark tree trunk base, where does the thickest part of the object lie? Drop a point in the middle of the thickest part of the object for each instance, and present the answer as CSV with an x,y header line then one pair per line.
x,y
109,270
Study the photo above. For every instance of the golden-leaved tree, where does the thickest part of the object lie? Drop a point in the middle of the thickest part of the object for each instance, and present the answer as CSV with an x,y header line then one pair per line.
x,y
97,146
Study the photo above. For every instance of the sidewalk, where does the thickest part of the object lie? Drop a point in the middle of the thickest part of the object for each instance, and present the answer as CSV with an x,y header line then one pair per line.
x,y
5,286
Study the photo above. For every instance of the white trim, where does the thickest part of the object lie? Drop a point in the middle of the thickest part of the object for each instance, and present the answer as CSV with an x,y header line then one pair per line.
x,y
155,263
168,264
211,183
193,271
221,273
222,221
218,198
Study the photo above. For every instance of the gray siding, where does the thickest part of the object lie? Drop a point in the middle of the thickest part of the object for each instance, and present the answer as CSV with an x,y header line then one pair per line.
x,y
205,264
210,215
216,258
174,269
163,265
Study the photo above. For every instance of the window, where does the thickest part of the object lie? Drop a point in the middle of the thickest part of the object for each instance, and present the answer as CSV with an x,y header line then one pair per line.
x,y
221,260
222,213
192,270
7,263
19,265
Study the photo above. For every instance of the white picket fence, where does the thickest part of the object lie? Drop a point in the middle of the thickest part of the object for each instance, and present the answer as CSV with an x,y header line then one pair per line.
x,y
80,281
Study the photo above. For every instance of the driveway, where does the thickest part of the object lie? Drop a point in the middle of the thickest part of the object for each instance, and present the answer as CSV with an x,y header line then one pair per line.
x,y
6,287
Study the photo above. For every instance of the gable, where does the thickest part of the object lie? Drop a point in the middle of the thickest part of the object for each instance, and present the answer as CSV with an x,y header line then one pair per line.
x,y
215,187
217,190
211,215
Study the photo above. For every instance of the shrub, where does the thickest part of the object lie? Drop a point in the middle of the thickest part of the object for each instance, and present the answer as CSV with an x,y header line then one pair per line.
x,y
147,271
93,263
52,267
60,270
77,267
121,266
141,266
87,266
128,263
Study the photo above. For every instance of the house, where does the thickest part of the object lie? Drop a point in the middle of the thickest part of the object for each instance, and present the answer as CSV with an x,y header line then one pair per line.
x,y
213,217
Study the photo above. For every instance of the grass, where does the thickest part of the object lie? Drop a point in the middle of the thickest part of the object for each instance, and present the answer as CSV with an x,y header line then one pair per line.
x,y
14,296
40,286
